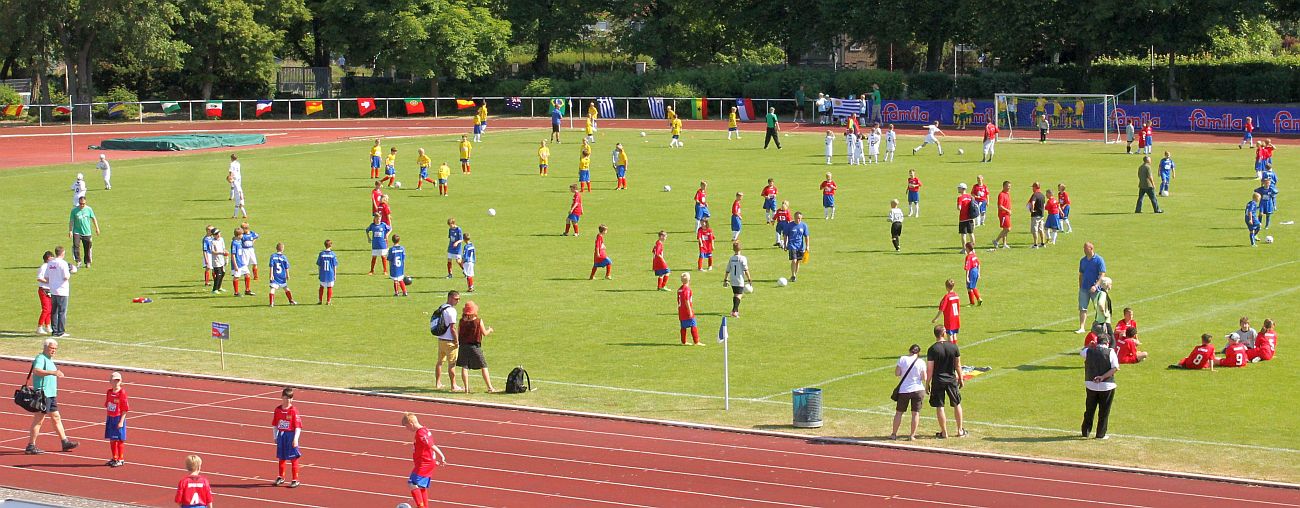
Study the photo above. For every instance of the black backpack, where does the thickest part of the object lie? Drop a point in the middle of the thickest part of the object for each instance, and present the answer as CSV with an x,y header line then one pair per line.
x,y
518,381
436,326
973,211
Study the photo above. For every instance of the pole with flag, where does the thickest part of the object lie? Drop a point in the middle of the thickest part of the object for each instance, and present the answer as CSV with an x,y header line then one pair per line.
x,y
726,376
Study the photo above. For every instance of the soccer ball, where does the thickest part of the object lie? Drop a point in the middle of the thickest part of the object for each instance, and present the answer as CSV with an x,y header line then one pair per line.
x,y
667,188
403,505
1268,239
492,212
749,288
961,151
643,134
397,184
407,280
782,282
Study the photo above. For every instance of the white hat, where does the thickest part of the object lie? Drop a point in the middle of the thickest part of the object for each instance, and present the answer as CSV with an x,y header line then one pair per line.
x,y
81,176
1234,336
961,185
116,376
102,156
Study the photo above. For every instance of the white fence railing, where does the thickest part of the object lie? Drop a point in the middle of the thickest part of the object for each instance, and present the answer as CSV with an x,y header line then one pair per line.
x,y
385,107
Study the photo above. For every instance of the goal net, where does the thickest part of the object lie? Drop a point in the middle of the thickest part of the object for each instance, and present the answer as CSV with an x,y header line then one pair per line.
x,y
1076,117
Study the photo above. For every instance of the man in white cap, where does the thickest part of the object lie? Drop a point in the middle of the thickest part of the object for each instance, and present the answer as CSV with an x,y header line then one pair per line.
x,y
78,189
965,219
107,170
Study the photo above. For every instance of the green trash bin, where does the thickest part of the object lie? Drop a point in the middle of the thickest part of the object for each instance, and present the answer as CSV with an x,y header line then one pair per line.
x,y
807,408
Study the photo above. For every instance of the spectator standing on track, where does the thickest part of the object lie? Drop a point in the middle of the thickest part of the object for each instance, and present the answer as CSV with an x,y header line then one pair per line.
x,y
55,275
1146,186
424,460
469,356
448,340
45,377
1092,269
943,379
1100,364
800,97
80,223
116,404
288,429
876,113
43,293
107,171
194,491
911,389
773,129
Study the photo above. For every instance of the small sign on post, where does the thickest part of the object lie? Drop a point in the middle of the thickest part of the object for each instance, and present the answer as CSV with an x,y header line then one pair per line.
x,y
221,332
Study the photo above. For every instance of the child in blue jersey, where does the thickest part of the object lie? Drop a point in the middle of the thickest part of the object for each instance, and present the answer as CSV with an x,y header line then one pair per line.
x,y
468,254
1166,173
327,265
455,237
240,263
377,232
250,237
280,275
1268,200
1252,217
207,255
397,265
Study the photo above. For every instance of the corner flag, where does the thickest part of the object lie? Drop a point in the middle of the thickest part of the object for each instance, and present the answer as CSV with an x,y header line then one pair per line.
x,y
722,331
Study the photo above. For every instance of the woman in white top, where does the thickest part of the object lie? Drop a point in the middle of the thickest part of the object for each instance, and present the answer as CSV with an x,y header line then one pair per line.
x,y
911,389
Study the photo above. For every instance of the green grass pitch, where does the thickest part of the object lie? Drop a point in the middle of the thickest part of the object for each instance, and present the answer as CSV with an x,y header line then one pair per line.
x,y
612,346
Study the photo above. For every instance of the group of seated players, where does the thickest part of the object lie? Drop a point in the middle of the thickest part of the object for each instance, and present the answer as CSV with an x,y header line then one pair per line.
x,y
1245,345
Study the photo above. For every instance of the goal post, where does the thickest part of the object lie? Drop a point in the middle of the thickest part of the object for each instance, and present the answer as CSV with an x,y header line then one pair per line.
x,y
1073,117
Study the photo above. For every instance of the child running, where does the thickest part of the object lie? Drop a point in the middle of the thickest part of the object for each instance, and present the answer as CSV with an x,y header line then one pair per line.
x,y
465,149
455,237
828,188
575,211
600,258
769,200
117,405
424,162
194,491
390,167
972,276
686,310
327,265
932,131
288,429
704,238
426,458
659,264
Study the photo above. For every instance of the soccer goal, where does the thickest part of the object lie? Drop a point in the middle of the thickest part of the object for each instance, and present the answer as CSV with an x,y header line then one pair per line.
x,y
1073,117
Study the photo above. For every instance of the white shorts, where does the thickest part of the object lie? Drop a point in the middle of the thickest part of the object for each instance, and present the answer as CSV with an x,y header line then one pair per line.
x,y
379,252
250,255
275,286
327,284
239,272
206,263
931,139
398,278
453,256
988,146
889,147
469,269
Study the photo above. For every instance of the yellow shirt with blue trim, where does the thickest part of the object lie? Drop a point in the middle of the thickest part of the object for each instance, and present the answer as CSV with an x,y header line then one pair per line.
x,y
465,149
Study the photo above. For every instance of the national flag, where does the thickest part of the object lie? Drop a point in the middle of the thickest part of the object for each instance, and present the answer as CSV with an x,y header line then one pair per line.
x,y
171,107
722,331
745,109
116,109
465,104
699,108
845,107
63,110
605,106
414,106
14,110
315,106
656,107
263,107
559,103
212,109
365,105
514,103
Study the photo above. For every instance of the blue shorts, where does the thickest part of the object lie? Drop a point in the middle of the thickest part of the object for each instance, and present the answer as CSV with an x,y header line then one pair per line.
x,y
769,204
913,196
418,481
1053,221
782,227
1247,137
828,200
731,129
574,218
984,206
424,173
953,332
584,175
442,181
1259,165
735,223
688,323
284,448
1267,206
1065,212
1165,175
602,263
706,255
972,278
478,128
111,430
661,273
1253,228
1147,140
701,212
52,405
374,161
674,136
390,171
620,171
543,166
464,161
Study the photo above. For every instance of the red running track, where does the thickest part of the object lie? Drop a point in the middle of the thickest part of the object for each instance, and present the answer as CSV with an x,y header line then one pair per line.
x,y
356,454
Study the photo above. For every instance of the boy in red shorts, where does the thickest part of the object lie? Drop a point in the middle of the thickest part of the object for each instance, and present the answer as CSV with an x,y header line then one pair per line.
x,y
1202,356
193,491
115,425
424,459
288,428
1265,343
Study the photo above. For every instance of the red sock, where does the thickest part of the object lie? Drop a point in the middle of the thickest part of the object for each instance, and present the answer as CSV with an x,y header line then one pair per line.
x,y
112,450
695,334
607,270
402,284
248,285
207,277
970,296
470,280
683,336
710,262
449,268
575,228
566,227
699,263
329,295
372,264
121,450
281,474
288,295
235,281
419,185
421,498
254,272
395,286
271,297
320,294
977,294
295,468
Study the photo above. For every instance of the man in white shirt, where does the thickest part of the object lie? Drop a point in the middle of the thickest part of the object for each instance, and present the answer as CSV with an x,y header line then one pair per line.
x,y
106,170
737,276
55,275
448,341
931,133
235,176
216,258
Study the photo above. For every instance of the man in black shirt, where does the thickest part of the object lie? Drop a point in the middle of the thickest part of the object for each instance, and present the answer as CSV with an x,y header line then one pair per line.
x,y
943,380
1037,232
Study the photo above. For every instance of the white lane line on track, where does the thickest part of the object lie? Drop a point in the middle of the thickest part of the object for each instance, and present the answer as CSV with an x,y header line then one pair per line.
x,y
83,478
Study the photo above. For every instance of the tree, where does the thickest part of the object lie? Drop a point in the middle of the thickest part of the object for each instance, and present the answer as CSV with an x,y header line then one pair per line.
x,y
547,23
233,41
88,31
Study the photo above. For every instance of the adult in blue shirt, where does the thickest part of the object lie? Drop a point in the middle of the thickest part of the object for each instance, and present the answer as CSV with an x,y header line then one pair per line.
x,y
797,243
45,377
556,116
1091,270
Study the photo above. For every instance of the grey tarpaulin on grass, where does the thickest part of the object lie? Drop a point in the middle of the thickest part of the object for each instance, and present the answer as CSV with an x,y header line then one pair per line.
x,y
181,142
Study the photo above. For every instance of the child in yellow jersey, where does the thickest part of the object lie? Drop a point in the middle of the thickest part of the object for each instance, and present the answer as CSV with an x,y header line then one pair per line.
x,y
970,112
543,158
444,174
1078,113
733,126
465,149
620,166
584,173
591,129
478,127
482,121
1067,116
390,167
376,154
592,112
676,132
670,114
1040,108
957,109
1056,112
424,162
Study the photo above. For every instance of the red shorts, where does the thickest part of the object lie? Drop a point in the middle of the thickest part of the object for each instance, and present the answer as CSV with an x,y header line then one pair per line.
x,y
1004,221
1127,359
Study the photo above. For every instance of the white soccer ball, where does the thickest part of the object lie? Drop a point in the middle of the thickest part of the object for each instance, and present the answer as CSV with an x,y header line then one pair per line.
x,y
1268,239
668,188
782,282
961,151
1164,193
397,184
492,212
749,288
643,134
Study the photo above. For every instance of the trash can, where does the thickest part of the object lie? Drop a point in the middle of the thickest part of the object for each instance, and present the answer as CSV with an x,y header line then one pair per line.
x,y
807,408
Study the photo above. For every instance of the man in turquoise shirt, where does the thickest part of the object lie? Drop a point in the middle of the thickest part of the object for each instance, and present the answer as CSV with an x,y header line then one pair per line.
x,y
80,223
45,377
773,129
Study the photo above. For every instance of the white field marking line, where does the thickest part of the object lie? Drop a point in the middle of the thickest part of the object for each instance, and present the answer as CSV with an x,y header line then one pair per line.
x,y
153,342
1053,323
187,406
235,129
128,482
543,494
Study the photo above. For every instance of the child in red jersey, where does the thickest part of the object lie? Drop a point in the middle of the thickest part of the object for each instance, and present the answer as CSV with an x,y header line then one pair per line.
x,y
1235,354
1125,323
950,311
913,194
376,196
601,259
704,237
1064,200
575,211
385,212
426,458
1265,343
1201,357
115,425
782,219
659,264
769,200
980,193
828,188
193,491
1128,346
972,275
288,428
686,310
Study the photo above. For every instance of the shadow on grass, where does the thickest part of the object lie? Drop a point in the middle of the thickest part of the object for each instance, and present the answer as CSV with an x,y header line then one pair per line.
x,y
171,286
205,200
1034,439
646,290
1040,331
421,389
1234,246
565,278
1035,368
1239,178
644,344
1105,213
